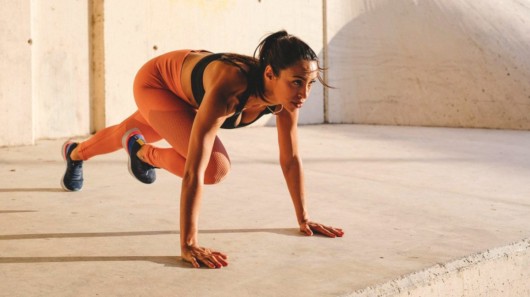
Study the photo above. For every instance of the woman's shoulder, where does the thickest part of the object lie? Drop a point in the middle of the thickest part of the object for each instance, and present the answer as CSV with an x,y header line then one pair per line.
x,y
225,77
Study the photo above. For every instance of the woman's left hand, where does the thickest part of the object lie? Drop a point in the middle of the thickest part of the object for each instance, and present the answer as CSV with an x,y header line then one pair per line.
x,y
308,228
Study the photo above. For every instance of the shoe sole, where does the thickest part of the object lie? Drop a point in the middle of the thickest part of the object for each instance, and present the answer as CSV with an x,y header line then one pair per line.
x,y
63,153
126,148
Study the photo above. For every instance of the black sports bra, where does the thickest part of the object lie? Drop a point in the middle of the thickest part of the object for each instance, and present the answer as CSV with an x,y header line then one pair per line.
x,y
197,88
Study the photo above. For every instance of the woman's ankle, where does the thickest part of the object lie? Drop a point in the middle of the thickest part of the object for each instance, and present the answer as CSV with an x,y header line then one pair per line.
x,y
141,153
74,156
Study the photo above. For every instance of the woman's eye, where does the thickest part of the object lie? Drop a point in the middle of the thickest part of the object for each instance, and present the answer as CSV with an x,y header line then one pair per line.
x,y
297,83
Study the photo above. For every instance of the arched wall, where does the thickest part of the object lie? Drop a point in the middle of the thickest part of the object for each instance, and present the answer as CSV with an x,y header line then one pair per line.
x,y
451,63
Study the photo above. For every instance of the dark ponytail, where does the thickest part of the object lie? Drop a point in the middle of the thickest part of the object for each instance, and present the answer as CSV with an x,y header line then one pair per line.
x,y
268,49
281,50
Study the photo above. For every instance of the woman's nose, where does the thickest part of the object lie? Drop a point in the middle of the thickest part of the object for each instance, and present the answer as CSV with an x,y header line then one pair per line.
x,y
303,93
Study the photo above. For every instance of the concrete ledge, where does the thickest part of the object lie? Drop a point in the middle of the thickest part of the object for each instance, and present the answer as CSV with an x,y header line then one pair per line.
x,y
502,271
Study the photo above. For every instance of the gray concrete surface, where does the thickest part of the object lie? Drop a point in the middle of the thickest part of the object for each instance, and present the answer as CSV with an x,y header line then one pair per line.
x,y
499,272
408,199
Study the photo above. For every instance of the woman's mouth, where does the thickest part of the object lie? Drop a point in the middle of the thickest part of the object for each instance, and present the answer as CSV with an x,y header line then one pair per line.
x,y
297,104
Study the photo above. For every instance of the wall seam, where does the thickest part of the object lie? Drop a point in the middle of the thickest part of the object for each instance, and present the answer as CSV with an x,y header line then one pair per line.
x,y
33,66
97,64
325,60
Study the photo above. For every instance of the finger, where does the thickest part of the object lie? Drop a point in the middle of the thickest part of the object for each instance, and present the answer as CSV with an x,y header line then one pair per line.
x,y
207,262
222,261
322,230
194,262
221,258
215,261
306,230
224,256
337,232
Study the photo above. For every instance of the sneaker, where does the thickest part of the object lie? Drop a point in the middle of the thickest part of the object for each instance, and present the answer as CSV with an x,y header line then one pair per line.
x,y
132,141
73,177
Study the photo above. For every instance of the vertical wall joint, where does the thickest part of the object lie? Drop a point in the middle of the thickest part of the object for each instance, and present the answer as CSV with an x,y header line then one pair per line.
x,y
97,64
325,59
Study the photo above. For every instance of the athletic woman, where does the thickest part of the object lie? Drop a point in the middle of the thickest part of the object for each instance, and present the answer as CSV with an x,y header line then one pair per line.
x,y
184,97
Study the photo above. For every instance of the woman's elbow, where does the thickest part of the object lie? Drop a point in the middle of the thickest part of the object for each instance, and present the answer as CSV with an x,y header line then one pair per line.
x,y
191,179
288,164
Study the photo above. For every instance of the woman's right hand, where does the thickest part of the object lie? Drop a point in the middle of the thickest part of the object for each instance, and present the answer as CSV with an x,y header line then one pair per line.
x,y
196,254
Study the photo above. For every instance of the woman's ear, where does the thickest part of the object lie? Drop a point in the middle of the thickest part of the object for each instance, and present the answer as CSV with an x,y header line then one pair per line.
x,y
269,73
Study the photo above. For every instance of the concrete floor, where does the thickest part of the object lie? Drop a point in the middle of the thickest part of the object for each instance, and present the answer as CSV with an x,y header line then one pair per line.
x,y
407,198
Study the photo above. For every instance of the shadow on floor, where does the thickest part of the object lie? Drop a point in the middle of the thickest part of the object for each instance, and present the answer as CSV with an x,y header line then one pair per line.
x,y
15,190
280,231
173,261
15,211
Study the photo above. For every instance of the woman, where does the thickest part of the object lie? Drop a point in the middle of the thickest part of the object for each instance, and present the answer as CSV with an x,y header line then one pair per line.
x,y
184,97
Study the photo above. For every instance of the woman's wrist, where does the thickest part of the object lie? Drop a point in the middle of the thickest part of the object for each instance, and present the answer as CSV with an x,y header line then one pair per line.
x,y
304,220
189,244
188,240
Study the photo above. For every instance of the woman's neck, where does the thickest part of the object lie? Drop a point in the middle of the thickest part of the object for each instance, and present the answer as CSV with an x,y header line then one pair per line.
x,y
257,101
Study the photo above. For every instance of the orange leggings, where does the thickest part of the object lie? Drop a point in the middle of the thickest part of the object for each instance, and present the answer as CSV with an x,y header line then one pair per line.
x,y
161,114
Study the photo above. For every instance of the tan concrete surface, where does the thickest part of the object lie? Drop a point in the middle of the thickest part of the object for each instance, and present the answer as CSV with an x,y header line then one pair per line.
x,y
407,198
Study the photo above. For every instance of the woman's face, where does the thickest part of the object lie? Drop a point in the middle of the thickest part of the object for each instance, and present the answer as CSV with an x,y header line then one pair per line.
x,y
293,85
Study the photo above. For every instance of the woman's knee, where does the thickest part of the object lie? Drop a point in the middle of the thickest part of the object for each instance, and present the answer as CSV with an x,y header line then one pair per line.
x,y
217,169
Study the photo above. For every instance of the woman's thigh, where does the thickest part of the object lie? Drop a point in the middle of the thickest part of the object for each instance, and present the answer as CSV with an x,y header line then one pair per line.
x,y
171,118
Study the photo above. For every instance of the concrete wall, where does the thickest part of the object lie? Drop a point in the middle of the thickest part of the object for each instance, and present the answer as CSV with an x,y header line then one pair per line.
x,y
60,71
44,90
16,120
454,63
77,74
409,62
150,28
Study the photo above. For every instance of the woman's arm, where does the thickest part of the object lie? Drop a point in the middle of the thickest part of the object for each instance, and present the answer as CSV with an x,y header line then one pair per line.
x,y
215,107
202,138
291,163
